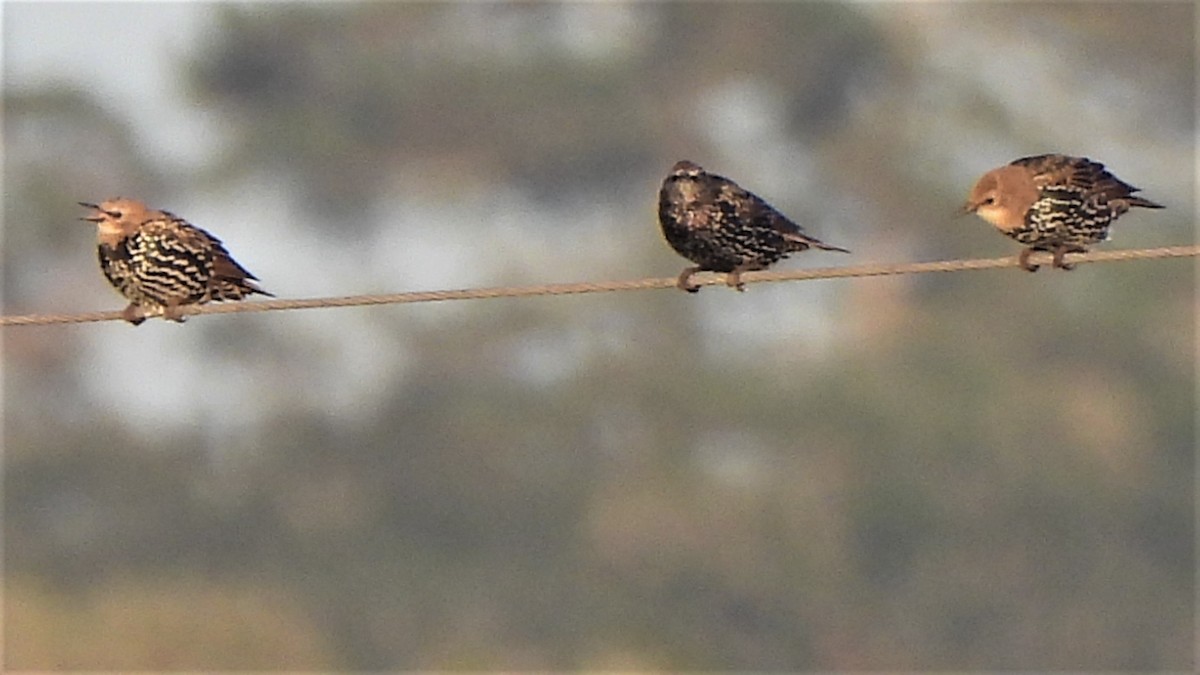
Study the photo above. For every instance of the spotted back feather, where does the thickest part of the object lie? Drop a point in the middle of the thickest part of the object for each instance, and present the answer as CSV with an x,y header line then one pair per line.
x,y
714,222
158,260
1086,178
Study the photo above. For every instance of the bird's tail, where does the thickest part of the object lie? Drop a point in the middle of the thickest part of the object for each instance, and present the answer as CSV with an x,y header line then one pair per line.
x,y
252,287
829,247
1144,203
236,289
233,282
802,242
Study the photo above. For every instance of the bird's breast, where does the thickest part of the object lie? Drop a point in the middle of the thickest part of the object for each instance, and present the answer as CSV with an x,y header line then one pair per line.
x,y
1003,219
111,234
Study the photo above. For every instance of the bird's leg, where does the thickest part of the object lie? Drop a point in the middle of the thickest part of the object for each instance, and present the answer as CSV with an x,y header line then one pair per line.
x,y
1061,251
734,280
1023,260
133,314
171,312
685,280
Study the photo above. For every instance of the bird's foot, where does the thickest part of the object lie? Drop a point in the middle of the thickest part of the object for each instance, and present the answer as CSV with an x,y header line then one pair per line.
x,y
1023,261
684,282
734,281
171,312
133,314
1061,252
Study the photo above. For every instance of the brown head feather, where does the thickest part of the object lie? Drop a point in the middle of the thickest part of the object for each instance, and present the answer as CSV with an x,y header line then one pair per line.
x,y
1003,196
116,218
685,168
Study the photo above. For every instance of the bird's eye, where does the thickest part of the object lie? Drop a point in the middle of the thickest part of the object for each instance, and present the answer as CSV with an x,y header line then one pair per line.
x,y
114,214
989,201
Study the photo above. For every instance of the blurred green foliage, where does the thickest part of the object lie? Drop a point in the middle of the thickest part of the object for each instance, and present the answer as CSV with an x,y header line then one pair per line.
x,y
986,470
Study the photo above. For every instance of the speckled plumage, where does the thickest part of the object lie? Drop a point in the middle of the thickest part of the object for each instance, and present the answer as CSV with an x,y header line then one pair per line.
x,y
1053,203
721,227
160,262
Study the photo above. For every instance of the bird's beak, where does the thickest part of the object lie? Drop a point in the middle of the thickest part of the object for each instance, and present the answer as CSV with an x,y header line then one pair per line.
x,y
93,218
966,209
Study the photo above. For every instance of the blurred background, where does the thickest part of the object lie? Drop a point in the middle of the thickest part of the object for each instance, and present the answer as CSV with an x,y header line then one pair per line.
x,y
985,470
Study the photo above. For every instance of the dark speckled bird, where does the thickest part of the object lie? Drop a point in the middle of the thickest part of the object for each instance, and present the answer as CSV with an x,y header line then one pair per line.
x,y
721,227
1053,203
160,262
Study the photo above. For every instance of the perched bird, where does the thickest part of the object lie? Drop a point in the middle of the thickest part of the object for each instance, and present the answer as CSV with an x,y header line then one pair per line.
x,y
161,262
721,227
1053,203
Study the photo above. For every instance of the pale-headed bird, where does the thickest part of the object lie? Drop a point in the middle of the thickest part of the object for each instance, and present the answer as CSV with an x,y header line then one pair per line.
x,y
1053,203
160,262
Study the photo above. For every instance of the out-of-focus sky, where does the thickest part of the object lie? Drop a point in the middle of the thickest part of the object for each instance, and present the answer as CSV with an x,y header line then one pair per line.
x,y
129,51
959,471
128,55
431,246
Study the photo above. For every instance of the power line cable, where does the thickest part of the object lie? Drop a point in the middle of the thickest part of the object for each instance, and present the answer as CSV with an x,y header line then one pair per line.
x,y
866,270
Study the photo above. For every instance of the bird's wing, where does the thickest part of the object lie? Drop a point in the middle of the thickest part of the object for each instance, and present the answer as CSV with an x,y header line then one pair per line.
x,y
1081,173
1048,169
225,267
199,239
750,208
1105,187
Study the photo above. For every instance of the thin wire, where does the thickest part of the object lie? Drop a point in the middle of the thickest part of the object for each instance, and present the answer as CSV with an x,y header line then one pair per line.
x,y
867,270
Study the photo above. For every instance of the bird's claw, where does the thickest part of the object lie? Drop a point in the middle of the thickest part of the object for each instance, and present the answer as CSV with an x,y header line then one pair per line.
x,y
172,313
1060,255
1023,261
133,314
684,282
